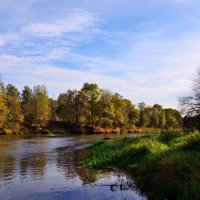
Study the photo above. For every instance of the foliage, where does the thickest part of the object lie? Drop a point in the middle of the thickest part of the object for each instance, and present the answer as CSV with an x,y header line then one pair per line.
x,y
93,91
11,90
158,117
3,110
173,118
10,107
73,106
14,117
90,107
53,109
38,105
25,100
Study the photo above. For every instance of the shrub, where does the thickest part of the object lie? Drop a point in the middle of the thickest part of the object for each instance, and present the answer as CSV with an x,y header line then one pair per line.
x,y
192,142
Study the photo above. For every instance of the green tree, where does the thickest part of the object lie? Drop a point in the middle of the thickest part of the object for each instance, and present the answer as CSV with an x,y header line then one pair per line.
x,y
3,110
157,116
73,107
119,118
53,109
38,106
145,114
25,100
106,110
93,91
62,109
13,104
2,87
131,113
173,118
15,116
126,115
26,95
78,106
11,90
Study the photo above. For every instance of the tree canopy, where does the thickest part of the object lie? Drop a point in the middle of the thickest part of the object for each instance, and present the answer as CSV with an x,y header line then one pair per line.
x,y
89,106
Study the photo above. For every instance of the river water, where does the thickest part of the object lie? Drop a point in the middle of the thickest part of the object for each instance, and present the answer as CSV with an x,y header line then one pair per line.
x,y
48,167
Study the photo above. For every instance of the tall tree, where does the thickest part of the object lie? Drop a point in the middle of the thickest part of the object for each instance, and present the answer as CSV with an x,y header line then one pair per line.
x,y
93,91
191,104
73,106
106,110
145,114
3,110
78,105
62,109
11,90
26,94
38,106
158,119
131,113
119,118
14,117
173,118
2,87
25,100
53,108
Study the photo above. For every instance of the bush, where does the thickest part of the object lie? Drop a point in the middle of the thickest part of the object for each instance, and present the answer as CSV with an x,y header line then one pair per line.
x,y
167,137
192,142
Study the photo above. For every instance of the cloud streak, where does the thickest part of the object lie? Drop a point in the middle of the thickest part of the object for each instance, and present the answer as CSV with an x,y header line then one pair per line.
x,y
75,22
6,38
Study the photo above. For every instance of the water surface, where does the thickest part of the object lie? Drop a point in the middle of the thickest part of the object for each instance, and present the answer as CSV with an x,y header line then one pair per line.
x,y
49,168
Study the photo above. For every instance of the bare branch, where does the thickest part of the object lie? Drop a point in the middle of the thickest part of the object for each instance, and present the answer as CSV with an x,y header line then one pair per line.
x,y
190,105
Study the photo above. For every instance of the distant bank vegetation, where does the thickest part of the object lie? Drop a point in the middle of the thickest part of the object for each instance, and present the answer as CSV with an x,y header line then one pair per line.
x,y
90,109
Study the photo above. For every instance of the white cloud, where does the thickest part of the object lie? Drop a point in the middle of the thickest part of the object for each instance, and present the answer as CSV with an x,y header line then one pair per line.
x,y
6,38
75,22
138,88
156,70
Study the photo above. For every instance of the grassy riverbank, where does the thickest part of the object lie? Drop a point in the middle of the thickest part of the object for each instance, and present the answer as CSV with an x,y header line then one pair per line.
x,y
166,166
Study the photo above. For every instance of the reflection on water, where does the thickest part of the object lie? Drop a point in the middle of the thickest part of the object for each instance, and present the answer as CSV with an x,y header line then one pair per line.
x,y
49,168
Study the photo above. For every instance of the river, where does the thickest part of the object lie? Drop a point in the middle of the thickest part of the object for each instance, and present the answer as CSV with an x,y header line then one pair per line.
x,y
48,167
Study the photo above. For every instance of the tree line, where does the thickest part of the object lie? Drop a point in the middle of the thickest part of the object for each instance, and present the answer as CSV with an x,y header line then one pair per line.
x,y
89,106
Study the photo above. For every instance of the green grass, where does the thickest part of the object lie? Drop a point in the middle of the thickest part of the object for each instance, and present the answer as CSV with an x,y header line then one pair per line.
x,y
166,166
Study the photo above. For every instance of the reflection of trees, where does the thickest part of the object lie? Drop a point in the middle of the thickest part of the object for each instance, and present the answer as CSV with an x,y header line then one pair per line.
x,y
85,174
7,167
35,163
8,162
69,161
65,160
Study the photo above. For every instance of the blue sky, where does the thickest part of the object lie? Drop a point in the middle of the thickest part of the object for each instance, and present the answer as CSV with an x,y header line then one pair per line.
x,y
145,50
